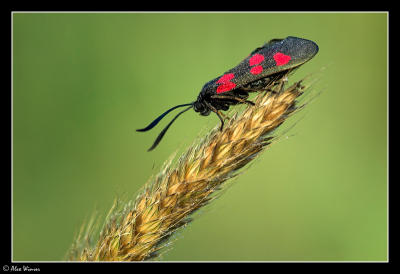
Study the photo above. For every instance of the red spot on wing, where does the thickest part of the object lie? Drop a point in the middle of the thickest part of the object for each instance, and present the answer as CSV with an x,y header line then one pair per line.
x,y
256,59
226,85
256,70
226,78
281,59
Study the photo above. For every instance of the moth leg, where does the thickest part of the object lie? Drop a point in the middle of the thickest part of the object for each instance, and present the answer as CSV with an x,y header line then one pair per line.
x,y
235,98
281,84
219,114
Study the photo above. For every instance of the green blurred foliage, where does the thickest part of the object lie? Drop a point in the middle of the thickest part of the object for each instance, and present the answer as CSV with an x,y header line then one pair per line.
x,y
83,82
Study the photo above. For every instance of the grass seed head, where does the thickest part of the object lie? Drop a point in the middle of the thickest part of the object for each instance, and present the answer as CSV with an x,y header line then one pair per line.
x,y
167,201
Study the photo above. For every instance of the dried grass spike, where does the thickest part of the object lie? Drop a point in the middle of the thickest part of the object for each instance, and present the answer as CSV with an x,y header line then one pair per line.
x,y
169,199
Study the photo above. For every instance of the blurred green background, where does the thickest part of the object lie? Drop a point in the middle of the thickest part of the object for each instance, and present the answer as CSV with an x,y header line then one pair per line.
x,y
83,82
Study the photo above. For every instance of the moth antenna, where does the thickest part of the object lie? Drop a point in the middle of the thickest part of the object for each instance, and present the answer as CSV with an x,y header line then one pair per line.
x,y
155,122
161,135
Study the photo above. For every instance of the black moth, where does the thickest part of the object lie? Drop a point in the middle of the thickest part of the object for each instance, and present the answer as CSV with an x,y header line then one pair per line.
x,y
264,66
